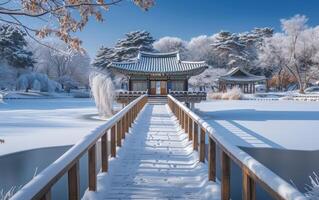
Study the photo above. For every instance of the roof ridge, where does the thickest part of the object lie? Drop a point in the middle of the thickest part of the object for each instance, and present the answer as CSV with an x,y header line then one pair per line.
x,y
159,53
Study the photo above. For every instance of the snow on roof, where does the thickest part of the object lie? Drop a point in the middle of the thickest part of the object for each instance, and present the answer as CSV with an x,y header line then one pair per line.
x,y
159,63
238,74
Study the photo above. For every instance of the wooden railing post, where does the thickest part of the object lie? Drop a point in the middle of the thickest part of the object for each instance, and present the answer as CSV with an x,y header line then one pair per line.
x,y
186,122
195,137
211,160
47,196
104,153
182,119
123,127
225,185
113,145
74,182
190,129
118,134
202,145
249,188
92,168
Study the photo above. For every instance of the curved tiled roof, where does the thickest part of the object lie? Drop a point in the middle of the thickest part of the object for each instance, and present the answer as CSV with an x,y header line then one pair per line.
x,y
159,63
238,74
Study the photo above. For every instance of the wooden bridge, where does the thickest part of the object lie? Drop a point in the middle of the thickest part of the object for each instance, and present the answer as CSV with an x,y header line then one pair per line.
x,y
156,151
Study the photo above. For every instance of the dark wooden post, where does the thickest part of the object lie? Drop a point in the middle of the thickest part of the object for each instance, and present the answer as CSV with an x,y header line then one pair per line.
x,y
182,119
74,182
249,191
202,145
118,134
113,146
195,137
186,123
104,152
123,127
190,128
225,187
92,168
211,160
46,196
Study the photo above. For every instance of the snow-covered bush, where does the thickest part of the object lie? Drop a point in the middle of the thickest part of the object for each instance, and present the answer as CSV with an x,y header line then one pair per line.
x,y
103,92
313,189
233,94
37,81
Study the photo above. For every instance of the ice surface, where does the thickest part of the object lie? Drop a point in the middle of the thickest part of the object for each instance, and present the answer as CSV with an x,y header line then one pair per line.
x,y
279,124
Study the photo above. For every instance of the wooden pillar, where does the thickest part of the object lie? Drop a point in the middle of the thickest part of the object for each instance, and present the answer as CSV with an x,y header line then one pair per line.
x,y
225,185
195,136
202,145
104,152
123,127
118,134
113,145
249,188
92,168
74,182
211,160
186,123
190,128
46,196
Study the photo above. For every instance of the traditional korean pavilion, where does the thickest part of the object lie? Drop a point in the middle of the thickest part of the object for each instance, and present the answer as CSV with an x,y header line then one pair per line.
x,y
158,73
238,77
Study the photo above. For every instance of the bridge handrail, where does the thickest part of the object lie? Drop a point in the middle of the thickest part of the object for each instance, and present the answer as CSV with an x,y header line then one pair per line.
x,y
40,186
251,168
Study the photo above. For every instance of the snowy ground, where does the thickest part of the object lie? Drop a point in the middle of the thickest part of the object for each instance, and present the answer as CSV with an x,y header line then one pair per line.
x,y
279,124
161,163
35,123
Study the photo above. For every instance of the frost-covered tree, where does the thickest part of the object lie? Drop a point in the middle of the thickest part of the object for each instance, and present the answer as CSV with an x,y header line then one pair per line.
x,y
58,18
295,50
104,57
68,67
8,75
37,81
170,44
231,51
128,47
207,79
200,49
13,47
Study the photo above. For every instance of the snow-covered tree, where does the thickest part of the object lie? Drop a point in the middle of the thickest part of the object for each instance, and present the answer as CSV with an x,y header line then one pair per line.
x,y
104,57
13,47
295,50
8,75
170,44
37,81
207,79
128,47
230,50
68,67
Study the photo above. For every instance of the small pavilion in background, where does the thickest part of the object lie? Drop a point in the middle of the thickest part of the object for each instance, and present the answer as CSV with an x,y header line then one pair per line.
x,y
238,77
159,74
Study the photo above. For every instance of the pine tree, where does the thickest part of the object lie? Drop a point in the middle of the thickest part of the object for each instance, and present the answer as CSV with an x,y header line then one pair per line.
x,y
104,57
128,48
13,47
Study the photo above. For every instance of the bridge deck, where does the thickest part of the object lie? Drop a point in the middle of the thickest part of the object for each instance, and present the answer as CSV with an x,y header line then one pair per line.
x,y
155,162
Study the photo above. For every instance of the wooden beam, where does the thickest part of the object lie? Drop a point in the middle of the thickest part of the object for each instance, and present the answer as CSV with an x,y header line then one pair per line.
x,y
202,145
113,145
92,168
249,188
212,160
225,185
104,152
74,182
195,137
190,129
118,134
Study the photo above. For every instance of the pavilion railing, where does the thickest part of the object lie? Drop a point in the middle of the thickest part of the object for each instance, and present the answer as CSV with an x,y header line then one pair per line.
x,y
252,170
40,186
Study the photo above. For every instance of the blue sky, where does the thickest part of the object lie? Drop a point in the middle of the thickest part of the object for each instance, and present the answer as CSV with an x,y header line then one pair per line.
x,y
190,18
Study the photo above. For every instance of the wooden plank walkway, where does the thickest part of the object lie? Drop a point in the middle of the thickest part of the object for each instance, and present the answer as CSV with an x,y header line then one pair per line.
x,y
155,162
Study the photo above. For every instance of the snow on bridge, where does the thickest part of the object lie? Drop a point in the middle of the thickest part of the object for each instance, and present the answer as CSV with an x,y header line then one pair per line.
x,y
156,161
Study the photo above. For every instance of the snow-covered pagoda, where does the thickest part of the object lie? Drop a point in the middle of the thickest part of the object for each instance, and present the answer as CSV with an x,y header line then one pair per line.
x,y
238,77
158,73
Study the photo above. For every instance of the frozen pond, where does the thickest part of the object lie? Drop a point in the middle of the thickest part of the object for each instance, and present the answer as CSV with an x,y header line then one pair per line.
x,y
34,123
277,124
